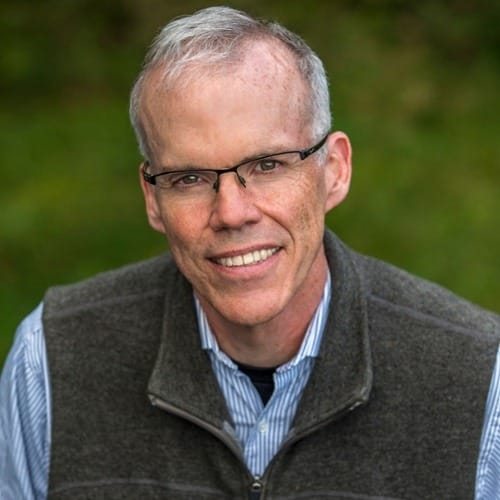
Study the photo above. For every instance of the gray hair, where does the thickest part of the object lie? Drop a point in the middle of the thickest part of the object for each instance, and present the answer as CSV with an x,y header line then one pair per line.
x,y
212,38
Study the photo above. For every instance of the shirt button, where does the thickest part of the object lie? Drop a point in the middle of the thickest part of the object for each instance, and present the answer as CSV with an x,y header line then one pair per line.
x,y
263,426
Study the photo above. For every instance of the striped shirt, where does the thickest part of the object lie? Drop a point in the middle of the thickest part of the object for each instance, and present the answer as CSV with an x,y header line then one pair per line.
x,y
25,415
261,429
25,408
488,469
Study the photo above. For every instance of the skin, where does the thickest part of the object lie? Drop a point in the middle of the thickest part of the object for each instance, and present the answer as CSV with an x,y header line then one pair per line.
x,y
259,313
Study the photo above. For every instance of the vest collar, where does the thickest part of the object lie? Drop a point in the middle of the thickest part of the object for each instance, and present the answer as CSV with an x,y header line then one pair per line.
x,y
342,376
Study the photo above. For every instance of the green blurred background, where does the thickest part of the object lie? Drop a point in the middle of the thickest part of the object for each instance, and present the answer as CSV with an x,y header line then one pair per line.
x,y
414,84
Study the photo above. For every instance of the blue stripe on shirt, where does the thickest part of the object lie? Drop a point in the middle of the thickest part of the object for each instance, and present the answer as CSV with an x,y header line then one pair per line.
x,y
488,469
25,415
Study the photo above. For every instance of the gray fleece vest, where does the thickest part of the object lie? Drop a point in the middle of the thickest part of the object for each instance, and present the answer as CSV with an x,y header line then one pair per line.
x,y
393,409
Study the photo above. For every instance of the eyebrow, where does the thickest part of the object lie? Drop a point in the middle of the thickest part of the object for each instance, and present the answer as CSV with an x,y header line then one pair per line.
x,y
190,168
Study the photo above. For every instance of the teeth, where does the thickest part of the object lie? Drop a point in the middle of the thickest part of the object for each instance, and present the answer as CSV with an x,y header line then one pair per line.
x,y
247,258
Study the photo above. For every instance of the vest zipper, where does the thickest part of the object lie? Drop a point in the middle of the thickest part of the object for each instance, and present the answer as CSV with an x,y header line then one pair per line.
x,y
256,488
292,438
223,436
256,484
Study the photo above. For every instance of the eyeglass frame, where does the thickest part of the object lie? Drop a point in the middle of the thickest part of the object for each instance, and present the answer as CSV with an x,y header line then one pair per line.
x,y
304,153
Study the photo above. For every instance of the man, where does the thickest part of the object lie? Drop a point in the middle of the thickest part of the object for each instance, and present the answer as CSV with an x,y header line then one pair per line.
x,y
278,362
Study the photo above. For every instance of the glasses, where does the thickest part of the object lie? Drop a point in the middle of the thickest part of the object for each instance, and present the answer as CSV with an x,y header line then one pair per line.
x,y
258,172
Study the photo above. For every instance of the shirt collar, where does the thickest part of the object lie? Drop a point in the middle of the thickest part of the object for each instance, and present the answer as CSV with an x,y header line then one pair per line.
x,y
310,344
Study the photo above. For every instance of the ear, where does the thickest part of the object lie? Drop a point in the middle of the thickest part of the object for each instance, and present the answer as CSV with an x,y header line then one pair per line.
x,y
338,169
153,209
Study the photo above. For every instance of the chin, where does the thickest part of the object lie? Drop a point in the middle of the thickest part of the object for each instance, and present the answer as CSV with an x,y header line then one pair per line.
x,y
241,314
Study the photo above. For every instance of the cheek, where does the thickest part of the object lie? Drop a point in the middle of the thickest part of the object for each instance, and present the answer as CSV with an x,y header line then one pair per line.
x,y
186,244
306,204
183,228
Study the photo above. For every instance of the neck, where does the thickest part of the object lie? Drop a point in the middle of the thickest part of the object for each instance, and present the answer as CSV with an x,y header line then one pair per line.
x,y
276,341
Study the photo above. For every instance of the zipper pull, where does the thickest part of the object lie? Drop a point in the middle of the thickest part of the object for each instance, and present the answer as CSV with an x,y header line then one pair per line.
x,y
256,488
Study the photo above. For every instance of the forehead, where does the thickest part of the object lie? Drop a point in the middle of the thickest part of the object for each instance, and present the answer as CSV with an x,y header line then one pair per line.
x,y
252,56
259,99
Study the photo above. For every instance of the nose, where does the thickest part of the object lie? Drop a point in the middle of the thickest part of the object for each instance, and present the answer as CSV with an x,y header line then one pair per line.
x,y
242,180
233,205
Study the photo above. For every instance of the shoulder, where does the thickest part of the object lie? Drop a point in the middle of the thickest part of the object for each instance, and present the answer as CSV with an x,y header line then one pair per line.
x,y
144,279
401,292
115,315
395,292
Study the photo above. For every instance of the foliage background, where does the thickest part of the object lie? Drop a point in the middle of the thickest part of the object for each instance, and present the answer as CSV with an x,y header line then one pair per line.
x,y
415,85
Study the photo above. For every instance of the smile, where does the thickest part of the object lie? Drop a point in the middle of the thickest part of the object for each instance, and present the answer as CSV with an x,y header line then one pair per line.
x,y
247,259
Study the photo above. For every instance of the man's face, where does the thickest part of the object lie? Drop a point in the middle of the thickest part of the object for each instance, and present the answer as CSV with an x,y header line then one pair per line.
x,y
216,122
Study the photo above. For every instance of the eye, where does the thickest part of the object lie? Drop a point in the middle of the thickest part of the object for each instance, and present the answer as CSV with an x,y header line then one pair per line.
x,y
188,179
267,165
191,179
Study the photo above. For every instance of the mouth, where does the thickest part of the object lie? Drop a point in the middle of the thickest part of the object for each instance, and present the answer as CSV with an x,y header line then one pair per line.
x,y
247,259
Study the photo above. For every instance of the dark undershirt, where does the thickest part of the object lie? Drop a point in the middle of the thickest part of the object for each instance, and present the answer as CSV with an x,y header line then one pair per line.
x,y
262,379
